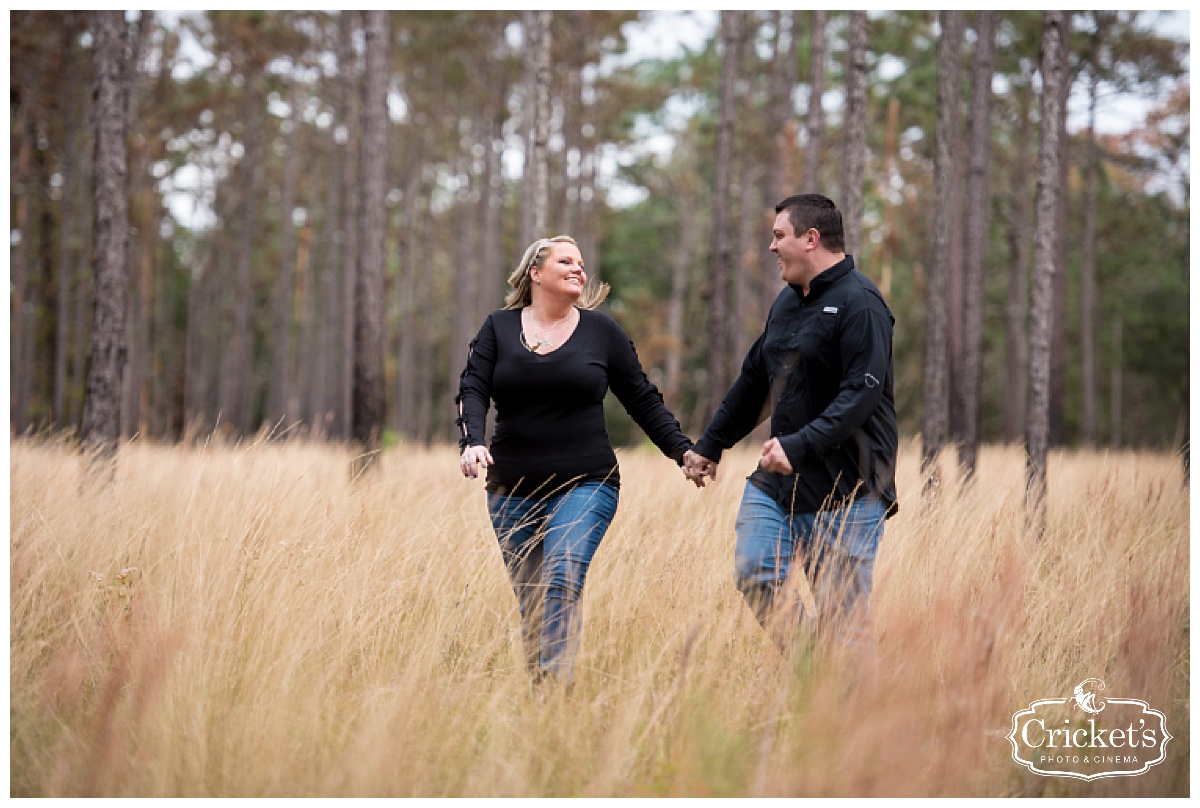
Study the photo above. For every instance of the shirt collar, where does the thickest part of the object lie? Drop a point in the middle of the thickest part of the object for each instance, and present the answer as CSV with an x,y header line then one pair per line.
x,y
826,278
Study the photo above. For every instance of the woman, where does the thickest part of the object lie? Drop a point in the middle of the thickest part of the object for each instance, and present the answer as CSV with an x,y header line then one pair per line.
x,y
547,359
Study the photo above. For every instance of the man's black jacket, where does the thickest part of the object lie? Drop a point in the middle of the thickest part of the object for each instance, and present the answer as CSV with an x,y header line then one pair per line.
x,y
824,363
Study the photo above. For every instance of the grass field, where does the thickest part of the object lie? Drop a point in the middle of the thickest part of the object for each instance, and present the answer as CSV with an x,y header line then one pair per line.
x,y
244,621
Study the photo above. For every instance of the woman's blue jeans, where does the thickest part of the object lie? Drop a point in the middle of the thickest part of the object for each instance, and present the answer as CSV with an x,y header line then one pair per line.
x,y
836,551
547,544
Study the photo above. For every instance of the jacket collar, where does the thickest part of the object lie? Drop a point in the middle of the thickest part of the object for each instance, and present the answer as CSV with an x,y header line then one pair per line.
x,y
826,278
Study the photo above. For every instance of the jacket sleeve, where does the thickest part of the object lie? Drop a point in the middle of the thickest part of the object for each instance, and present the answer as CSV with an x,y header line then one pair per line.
x,y
641,398
742,408
475,387
865,346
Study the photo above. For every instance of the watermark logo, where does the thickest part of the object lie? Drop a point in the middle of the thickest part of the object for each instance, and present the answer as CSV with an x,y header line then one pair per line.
x,y
1088,737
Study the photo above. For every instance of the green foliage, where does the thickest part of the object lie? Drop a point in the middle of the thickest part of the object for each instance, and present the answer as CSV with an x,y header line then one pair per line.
x,y
454,70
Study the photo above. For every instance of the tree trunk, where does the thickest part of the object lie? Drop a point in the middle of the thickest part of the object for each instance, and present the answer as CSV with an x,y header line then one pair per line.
x,y
193,346
590,193
673,386
106,352
954,287
138,270
235,391
855,155
368,320
410,330
276,416
69,218
423,291
1020,225
463,287
810,181
1037,432
300,393
567,203
978,204
39,293
750,231
348,67
529,33
933,422
540,42
326,307
492,280
1058,321
775,162
1088,301
888,254
719,256
82,271
1114,429
25,130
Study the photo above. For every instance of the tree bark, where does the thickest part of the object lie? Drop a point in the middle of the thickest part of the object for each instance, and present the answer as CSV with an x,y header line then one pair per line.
x,y
327,307
978,199
888,253
954,287
21,269
491,293
424,344
462,296
1088,271
719,257
235,391
348,68
540,43
810,182
1114,428
298,395
775,162
855,155
1037,432
139,270
106,352
1019,226
749,226
410,330
68,227
934,417
82,271
673,382
1058,321
280,392
368,322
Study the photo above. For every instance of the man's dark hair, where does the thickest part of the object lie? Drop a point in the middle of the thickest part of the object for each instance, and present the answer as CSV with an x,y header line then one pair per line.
x,y
815,211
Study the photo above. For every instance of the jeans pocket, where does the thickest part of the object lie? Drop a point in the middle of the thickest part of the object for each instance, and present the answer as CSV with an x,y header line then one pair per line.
x,y
855,530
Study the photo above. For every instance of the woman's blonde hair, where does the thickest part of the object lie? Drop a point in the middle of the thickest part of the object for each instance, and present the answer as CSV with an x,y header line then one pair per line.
x,y
535,255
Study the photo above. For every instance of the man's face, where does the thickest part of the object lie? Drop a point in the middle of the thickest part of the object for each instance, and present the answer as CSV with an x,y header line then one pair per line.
x,y
792,250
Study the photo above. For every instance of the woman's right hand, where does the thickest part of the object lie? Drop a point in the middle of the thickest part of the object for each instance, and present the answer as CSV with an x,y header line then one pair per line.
x,y
473,456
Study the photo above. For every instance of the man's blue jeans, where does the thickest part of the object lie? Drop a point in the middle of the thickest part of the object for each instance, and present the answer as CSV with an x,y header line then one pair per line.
x,y
836,550
547,544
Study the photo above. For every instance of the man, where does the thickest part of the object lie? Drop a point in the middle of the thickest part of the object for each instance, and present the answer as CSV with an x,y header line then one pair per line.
x,y
826,480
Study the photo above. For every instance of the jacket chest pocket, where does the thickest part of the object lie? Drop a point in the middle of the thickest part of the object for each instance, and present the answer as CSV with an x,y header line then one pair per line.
x,y
814,345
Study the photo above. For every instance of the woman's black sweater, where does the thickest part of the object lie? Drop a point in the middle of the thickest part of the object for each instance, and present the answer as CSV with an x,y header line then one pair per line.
x,y
550,431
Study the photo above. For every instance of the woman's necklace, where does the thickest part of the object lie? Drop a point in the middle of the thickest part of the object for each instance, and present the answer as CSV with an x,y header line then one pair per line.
x,y
541,338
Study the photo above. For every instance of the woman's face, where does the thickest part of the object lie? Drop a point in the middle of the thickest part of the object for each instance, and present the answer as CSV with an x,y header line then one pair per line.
x,y
562,271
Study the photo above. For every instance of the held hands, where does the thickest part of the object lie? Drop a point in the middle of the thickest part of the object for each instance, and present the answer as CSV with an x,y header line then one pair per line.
x,y
773,457
471,456
695,467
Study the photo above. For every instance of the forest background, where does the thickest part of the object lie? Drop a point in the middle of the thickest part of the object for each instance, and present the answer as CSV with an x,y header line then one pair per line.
x,y
246,167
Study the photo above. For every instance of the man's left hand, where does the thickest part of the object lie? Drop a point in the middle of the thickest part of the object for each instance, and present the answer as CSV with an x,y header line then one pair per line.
x,y
773,457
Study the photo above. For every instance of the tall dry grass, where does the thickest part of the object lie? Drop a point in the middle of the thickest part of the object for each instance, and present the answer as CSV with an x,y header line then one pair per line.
x,y
245,621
